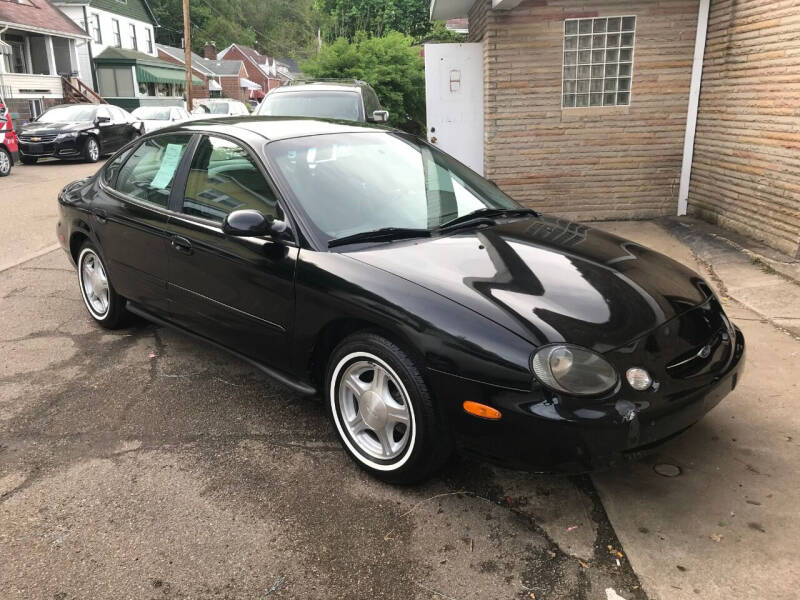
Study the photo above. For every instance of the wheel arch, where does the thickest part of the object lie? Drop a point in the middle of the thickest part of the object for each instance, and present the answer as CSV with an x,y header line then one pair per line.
x,y
334,332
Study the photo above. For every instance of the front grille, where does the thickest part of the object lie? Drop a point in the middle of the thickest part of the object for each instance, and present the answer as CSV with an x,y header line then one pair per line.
x,y
38,139
708,357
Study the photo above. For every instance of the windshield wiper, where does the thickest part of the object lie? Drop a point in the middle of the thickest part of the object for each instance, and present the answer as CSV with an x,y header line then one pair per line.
x,y
380,235
487,214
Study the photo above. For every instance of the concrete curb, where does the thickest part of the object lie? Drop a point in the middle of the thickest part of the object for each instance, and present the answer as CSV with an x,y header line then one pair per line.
x,y
765,281
29,257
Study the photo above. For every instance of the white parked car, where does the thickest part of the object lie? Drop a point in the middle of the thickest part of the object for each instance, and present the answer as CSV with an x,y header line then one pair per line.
x,y
156,117
222,107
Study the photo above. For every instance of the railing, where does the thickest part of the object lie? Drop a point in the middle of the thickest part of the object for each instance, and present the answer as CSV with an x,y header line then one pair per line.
x,y
77,87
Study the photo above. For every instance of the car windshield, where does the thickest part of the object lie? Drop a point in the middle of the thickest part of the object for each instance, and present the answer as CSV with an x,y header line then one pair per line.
x,y
327,105
64,114
152,113
357,182
215,108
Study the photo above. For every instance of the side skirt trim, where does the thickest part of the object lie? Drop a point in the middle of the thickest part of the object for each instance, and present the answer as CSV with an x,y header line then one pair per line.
x,y
287,380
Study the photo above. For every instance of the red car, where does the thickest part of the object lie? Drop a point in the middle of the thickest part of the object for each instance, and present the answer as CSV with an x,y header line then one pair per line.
x,y
9,144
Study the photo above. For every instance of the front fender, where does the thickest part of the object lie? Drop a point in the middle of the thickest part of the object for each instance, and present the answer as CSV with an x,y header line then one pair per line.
x,y
448,337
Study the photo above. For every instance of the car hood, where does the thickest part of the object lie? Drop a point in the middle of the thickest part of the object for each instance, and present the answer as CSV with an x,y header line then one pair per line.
x,y
50,128
549,280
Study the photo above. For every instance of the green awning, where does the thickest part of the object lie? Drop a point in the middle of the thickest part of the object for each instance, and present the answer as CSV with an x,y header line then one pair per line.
x,y
149,74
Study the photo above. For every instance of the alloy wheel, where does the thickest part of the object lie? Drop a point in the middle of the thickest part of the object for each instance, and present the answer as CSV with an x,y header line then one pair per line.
x,y
375,410
94,284
5,163
94,151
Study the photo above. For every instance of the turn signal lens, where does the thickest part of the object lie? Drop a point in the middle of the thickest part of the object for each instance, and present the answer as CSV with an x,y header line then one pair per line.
x,y
481,410
639,379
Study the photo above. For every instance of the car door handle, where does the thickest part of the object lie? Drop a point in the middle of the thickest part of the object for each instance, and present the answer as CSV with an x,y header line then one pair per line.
x,y
100,215
181,244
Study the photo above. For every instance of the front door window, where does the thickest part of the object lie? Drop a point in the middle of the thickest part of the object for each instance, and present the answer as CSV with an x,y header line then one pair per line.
x,y
223,178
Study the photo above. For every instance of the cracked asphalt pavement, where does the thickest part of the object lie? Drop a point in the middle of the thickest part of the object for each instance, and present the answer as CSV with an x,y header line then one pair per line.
x,y
141,464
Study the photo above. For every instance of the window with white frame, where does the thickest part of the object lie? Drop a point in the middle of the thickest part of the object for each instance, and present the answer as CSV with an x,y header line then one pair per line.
x,y
97,36
115,31
134,43
598,61
149,40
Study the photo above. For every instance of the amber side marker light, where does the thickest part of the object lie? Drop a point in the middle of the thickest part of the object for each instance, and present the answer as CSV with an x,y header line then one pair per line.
x,y
481,410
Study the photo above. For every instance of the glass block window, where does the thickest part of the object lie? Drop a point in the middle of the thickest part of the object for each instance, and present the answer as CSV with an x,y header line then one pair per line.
x,y
598,62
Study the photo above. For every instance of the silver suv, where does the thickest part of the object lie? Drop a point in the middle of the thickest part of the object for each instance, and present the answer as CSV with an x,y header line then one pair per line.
x,y
350,100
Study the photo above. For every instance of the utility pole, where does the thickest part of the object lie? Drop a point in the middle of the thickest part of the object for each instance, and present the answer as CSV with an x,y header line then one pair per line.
x,y
187,44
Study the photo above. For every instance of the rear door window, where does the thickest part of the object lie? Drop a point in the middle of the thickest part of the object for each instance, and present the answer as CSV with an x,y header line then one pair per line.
x,y
149,173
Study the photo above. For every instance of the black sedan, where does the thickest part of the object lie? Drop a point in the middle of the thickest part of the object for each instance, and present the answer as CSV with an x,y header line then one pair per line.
x,y
76,131
428,309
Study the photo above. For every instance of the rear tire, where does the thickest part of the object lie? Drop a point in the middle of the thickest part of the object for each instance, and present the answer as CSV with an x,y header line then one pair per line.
x,y
105,306
91,150
383,411
5,162
28,160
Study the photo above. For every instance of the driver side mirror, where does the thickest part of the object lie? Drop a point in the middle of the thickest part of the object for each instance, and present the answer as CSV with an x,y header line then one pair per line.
x,y
251,223
380,116
101,119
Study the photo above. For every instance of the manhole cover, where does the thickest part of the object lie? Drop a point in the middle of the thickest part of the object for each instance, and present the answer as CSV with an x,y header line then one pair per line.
x,y
667,470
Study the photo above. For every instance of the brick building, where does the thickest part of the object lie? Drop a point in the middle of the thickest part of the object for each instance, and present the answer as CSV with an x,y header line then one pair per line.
x,y
220,78
261,69
607,110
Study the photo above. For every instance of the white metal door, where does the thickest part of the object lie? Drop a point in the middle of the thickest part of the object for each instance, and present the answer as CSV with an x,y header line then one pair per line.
x,y
454,99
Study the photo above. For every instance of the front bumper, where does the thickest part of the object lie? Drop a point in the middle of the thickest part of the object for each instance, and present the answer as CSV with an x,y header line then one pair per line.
x,y
541,432
67,148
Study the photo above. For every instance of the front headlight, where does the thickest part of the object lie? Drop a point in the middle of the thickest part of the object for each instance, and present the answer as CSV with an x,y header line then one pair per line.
x,y
573,370
71,135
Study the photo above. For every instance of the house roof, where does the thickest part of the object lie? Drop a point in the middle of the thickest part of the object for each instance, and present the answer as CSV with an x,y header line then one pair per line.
x,y
250,53
133,9
39,15
222,67
290,64
260,61
452,9
206,66
126,56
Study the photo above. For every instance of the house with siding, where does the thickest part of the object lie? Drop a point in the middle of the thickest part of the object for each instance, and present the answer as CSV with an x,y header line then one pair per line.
x,y
127,24
606,110
261,69
38,44
129,79
220,78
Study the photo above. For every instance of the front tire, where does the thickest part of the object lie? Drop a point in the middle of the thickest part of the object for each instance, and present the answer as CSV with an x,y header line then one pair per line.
x,y
91,150
29,160
383,411
105,306
5,162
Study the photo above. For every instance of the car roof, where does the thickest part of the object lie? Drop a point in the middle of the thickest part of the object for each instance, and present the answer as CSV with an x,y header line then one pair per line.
x,y
354,88
277,128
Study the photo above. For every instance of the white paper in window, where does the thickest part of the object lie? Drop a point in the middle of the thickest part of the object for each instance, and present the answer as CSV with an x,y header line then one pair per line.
x,y
169,163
